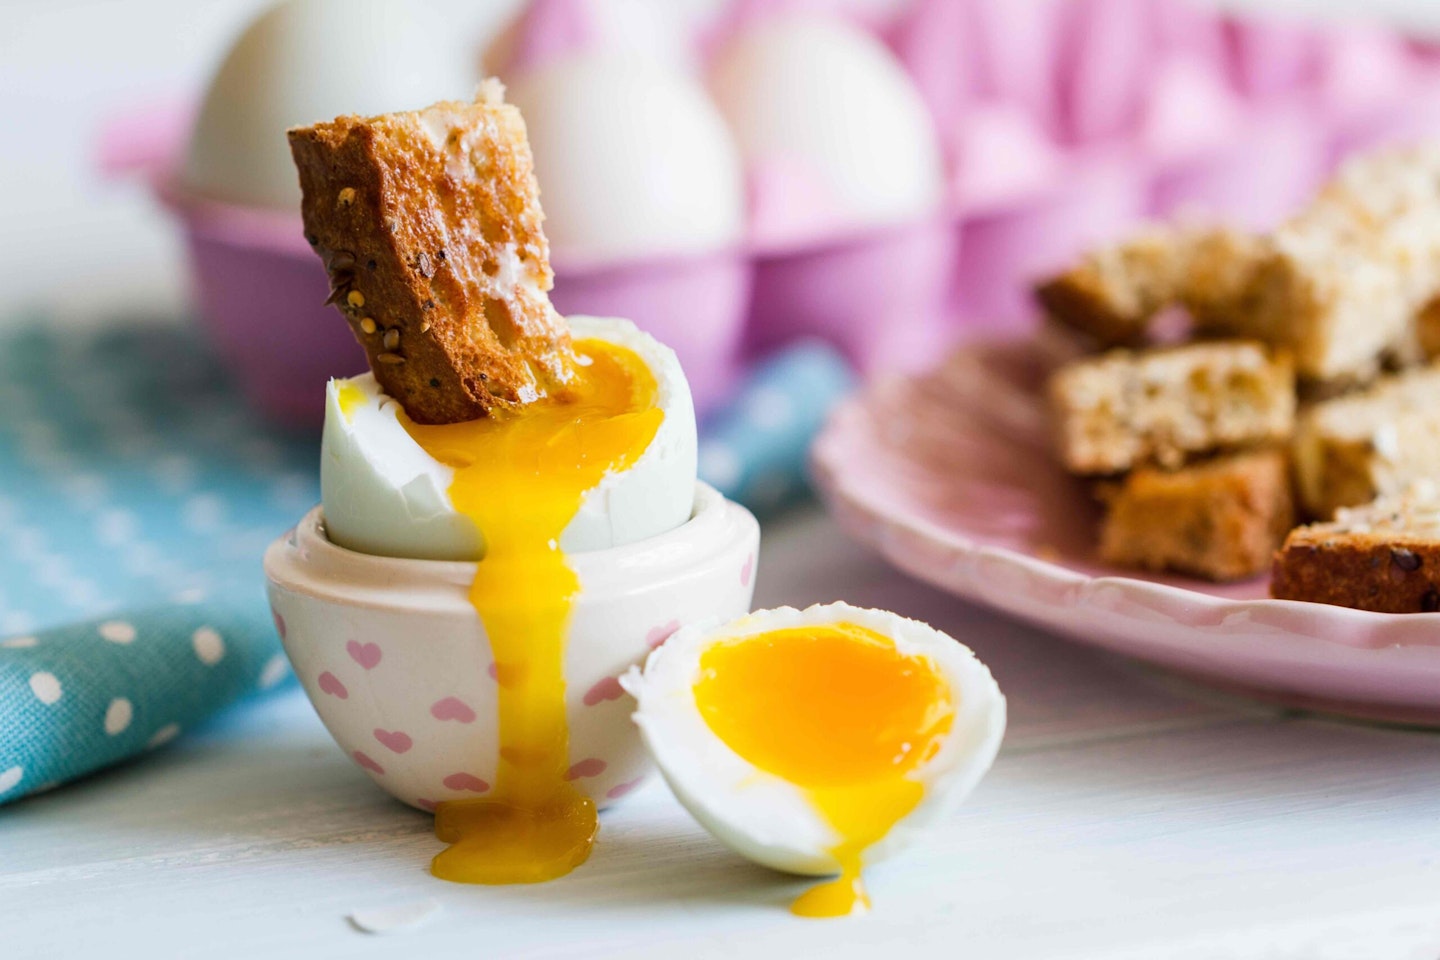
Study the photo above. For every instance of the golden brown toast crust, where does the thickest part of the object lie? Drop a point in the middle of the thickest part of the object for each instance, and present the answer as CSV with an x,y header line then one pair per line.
x,y
429,224
1384,556
1220,519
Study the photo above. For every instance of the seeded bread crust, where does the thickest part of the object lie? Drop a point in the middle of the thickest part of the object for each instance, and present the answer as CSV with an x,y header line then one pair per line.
x,y
429,224
1383,557
1161,407
1220,519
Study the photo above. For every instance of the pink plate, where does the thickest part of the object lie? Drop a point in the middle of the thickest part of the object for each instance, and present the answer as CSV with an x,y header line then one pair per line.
x,y
949,476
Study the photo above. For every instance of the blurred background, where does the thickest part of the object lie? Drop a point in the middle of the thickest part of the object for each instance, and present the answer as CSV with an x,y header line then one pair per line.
x,y
87,250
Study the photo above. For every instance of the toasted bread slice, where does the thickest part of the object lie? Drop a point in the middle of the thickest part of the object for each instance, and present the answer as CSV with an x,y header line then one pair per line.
x,y
429,224
1219,519
1344,280
1354,448
1114,292
1161,407
1384,556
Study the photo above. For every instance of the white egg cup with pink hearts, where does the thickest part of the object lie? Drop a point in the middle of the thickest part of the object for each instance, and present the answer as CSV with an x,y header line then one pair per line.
x,y
399,668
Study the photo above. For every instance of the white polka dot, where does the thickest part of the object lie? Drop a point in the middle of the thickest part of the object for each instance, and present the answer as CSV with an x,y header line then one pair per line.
x,y
190,595
18,643
209,647
768,408
203,513
719,465
10,779
114,527
45,686
175,472
86,489
117,631
163,736
118,716
276,669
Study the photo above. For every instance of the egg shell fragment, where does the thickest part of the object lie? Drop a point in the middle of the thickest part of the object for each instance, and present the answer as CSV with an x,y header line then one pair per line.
x,y
385,496
767,819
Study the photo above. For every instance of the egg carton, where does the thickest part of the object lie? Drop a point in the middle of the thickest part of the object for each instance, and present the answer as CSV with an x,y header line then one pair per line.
x,y
1063,124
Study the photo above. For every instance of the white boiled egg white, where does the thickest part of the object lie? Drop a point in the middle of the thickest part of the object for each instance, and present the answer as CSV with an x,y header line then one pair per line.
x,y
304,61
818,103
635,159
818,741
384,495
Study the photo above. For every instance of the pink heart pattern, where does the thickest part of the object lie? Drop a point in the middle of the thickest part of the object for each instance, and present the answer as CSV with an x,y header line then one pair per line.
x,y
365,654
607,689
365,761
426,804
620,789
398,741
329,683
747,571
452,708
586,768
466,781
660,634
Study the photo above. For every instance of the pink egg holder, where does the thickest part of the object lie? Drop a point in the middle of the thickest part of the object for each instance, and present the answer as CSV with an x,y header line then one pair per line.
x,y
1064,122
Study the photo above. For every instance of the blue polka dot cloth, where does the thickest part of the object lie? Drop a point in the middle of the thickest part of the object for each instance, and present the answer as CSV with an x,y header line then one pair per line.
x,y
753,449
137,496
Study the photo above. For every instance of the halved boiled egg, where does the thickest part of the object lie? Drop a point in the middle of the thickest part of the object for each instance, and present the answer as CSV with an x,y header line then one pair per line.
x,y
818,741
386,495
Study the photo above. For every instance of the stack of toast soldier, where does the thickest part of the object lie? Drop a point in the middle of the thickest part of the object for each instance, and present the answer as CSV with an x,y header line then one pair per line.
x,y
1306,386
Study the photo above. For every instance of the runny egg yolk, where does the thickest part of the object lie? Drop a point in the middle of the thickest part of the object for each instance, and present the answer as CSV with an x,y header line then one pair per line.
x,y
838,711
521,476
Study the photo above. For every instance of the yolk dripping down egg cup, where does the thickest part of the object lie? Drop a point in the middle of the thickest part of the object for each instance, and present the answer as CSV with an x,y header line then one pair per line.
x,y
388,644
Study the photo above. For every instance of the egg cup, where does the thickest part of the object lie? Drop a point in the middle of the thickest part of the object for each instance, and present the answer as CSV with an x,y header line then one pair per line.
x,y
398,666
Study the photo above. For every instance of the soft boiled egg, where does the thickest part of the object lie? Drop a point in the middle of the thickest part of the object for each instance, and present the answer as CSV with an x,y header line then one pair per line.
x,y
818,741
388,486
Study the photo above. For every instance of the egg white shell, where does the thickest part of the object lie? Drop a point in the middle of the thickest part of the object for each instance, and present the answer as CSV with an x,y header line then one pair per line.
x,y
384,495
633,157
824,95
304,61
765,818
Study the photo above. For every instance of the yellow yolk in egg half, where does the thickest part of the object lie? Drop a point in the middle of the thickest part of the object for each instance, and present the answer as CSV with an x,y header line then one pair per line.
x,y
839,712
521,476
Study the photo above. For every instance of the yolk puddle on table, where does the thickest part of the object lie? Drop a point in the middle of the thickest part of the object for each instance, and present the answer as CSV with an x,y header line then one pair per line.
x,y
838,711
521,475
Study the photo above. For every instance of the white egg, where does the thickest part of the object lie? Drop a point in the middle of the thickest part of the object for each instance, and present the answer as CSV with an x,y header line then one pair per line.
x,y
633,157
304,61
820,99
766,818
384,495
543,31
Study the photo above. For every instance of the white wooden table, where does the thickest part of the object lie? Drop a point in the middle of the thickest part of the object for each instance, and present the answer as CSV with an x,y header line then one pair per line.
x,y
1127,816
